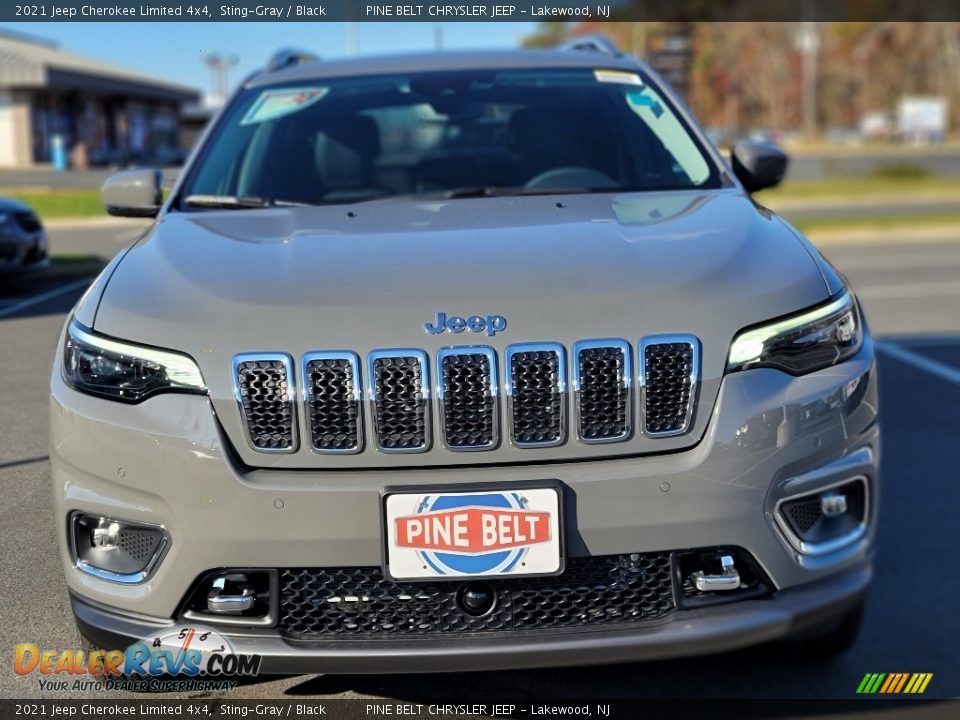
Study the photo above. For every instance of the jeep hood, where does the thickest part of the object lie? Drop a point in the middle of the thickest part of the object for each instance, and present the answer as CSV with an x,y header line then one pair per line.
x,y
370,275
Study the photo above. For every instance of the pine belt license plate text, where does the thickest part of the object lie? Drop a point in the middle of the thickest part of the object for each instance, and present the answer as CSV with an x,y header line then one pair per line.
x,y
473,534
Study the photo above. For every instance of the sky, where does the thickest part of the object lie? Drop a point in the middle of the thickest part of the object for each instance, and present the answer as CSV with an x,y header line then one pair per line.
x,y
175,51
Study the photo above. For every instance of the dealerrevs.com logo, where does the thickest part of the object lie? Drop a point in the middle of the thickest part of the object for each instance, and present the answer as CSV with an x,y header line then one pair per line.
x,y
185,653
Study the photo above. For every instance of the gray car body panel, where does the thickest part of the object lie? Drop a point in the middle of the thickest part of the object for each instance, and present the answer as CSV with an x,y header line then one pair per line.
x,y
370,276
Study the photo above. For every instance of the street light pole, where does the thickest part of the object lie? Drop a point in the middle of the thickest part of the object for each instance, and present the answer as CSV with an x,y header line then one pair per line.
x,y
809,43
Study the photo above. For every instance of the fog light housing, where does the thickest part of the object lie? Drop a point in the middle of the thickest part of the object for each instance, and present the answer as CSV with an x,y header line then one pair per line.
x,y
824,520
115,550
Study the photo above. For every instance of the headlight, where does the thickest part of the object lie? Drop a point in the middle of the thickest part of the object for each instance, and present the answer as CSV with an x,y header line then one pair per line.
x,y
3,218
120,371
803,343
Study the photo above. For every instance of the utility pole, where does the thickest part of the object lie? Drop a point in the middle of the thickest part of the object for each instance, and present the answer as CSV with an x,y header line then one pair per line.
x,y
809,43
220,68
438,36
351,39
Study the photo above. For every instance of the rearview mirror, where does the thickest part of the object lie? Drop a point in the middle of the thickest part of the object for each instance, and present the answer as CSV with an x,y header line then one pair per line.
x,y
133,193
759,165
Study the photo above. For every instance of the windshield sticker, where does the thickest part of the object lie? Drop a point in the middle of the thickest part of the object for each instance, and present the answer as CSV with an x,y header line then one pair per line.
x,y
617,76
639,100
273,104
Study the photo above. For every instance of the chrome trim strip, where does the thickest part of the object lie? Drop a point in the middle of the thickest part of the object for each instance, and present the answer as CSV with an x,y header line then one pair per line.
x,y
560,352
627,381
287,362
123,578
827,546
354,360
493,389
649,341
424,390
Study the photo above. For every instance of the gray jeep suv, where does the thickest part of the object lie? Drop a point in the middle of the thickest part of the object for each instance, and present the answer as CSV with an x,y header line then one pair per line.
x,y
465,361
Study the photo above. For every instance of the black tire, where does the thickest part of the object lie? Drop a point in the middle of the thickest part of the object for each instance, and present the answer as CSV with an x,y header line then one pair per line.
x,y
829,640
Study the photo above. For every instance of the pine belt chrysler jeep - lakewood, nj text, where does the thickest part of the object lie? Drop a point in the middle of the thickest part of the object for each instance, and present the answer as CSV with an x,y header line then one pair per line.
x,y
488,366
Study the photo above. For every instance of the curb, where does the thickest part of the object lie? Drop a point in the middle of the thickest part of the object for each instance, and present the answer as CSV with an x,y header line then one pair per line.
x,y
859,202
94,222
878,236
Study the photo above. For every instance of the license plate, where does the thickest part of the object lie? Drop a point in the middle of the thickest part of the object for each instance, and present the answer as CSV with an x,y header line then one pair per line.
x,y
473,534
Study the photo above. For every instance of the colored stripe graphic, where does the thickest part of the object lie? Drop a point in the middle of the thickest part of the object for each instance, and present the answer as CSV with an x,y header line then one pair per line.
x,y
903,681
894,683
891,680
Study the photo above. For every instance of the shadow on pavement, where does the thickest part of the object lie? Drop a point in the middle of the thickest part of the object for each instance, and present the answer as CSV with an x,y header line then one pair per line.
x,y
51,291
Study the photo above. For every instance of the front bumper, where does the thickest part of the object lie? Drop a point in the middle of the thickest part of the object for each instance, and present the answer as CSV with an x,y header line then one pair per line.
x,y
687,633
165,462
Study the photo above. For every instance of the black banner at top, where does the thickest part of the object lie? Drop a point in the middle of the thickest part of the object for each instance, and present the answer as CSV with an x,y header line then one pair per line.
x,y
475,10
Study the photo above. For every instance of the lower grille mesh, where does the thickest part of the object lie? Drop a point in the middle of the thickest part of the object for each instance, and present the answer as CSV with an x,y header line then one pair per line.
x,y
317,604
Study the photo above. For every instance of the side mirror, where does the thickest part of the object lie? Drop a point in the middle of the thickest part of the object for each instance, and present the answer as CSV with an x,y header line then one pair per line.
x,y
133,193
759,165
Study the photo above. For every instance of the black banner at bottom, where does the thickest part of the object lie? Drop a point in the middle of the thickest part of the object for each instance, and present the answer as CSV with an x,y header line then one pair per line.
x,y
678,709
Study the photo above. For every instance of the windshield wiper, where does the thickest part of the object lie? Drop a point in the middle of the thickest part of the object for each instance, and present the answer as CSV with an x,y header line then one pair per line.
x,y
233,202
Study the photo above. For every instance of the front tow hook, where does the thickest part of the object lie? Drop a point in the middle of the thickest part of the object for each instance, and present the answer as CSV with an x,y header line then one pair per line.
x,y
728,579
233,604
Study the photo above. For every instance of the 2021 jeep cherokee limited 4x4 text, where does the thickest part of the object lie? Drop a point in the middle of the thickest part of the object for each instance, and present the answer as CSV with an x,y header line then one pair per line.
x,y
488,366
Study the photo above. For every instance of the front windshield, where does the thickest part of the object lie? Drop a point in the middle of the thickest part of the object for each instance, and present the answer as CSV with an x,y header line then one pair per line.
x,y
443,133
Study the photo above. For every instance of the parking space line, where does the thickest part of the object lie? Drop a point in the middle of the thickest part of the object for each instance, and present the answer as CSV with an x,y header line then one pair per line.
x,y
43,297
922,362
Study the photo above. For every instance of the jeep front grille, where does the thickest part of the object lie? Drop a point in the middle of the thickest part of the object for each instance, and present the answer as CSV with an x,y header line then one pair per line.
x,y
467,392
602,385
670,367
467,383
359,603
399,396
333,401
537,392
264,389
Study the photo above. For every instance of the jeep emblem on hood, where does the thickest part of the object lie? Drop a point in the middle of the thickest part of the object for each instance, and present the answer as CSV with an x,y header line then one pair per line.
x,y
490,324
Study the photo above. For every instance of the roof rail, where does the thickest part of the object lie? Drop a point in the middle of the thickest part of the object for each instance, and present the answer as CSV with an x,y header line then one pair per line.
x,y
289,57
599,44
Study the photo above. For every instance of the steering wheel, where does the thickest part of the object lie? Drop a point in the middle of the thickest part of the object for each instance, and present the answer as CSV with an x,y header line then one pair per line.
x,y
572,176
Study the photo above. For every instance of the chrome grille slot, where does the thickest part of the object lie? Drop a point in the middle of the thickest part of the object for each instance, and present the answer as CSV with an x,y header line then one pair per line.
x,y
265,392
467,391
669,372
332,396
399,398
536,388
603,380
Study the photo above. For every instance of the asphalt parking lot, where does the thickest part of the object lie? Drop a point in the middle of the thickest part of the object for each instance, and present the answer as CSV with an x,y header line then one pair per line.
x,y
911,292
